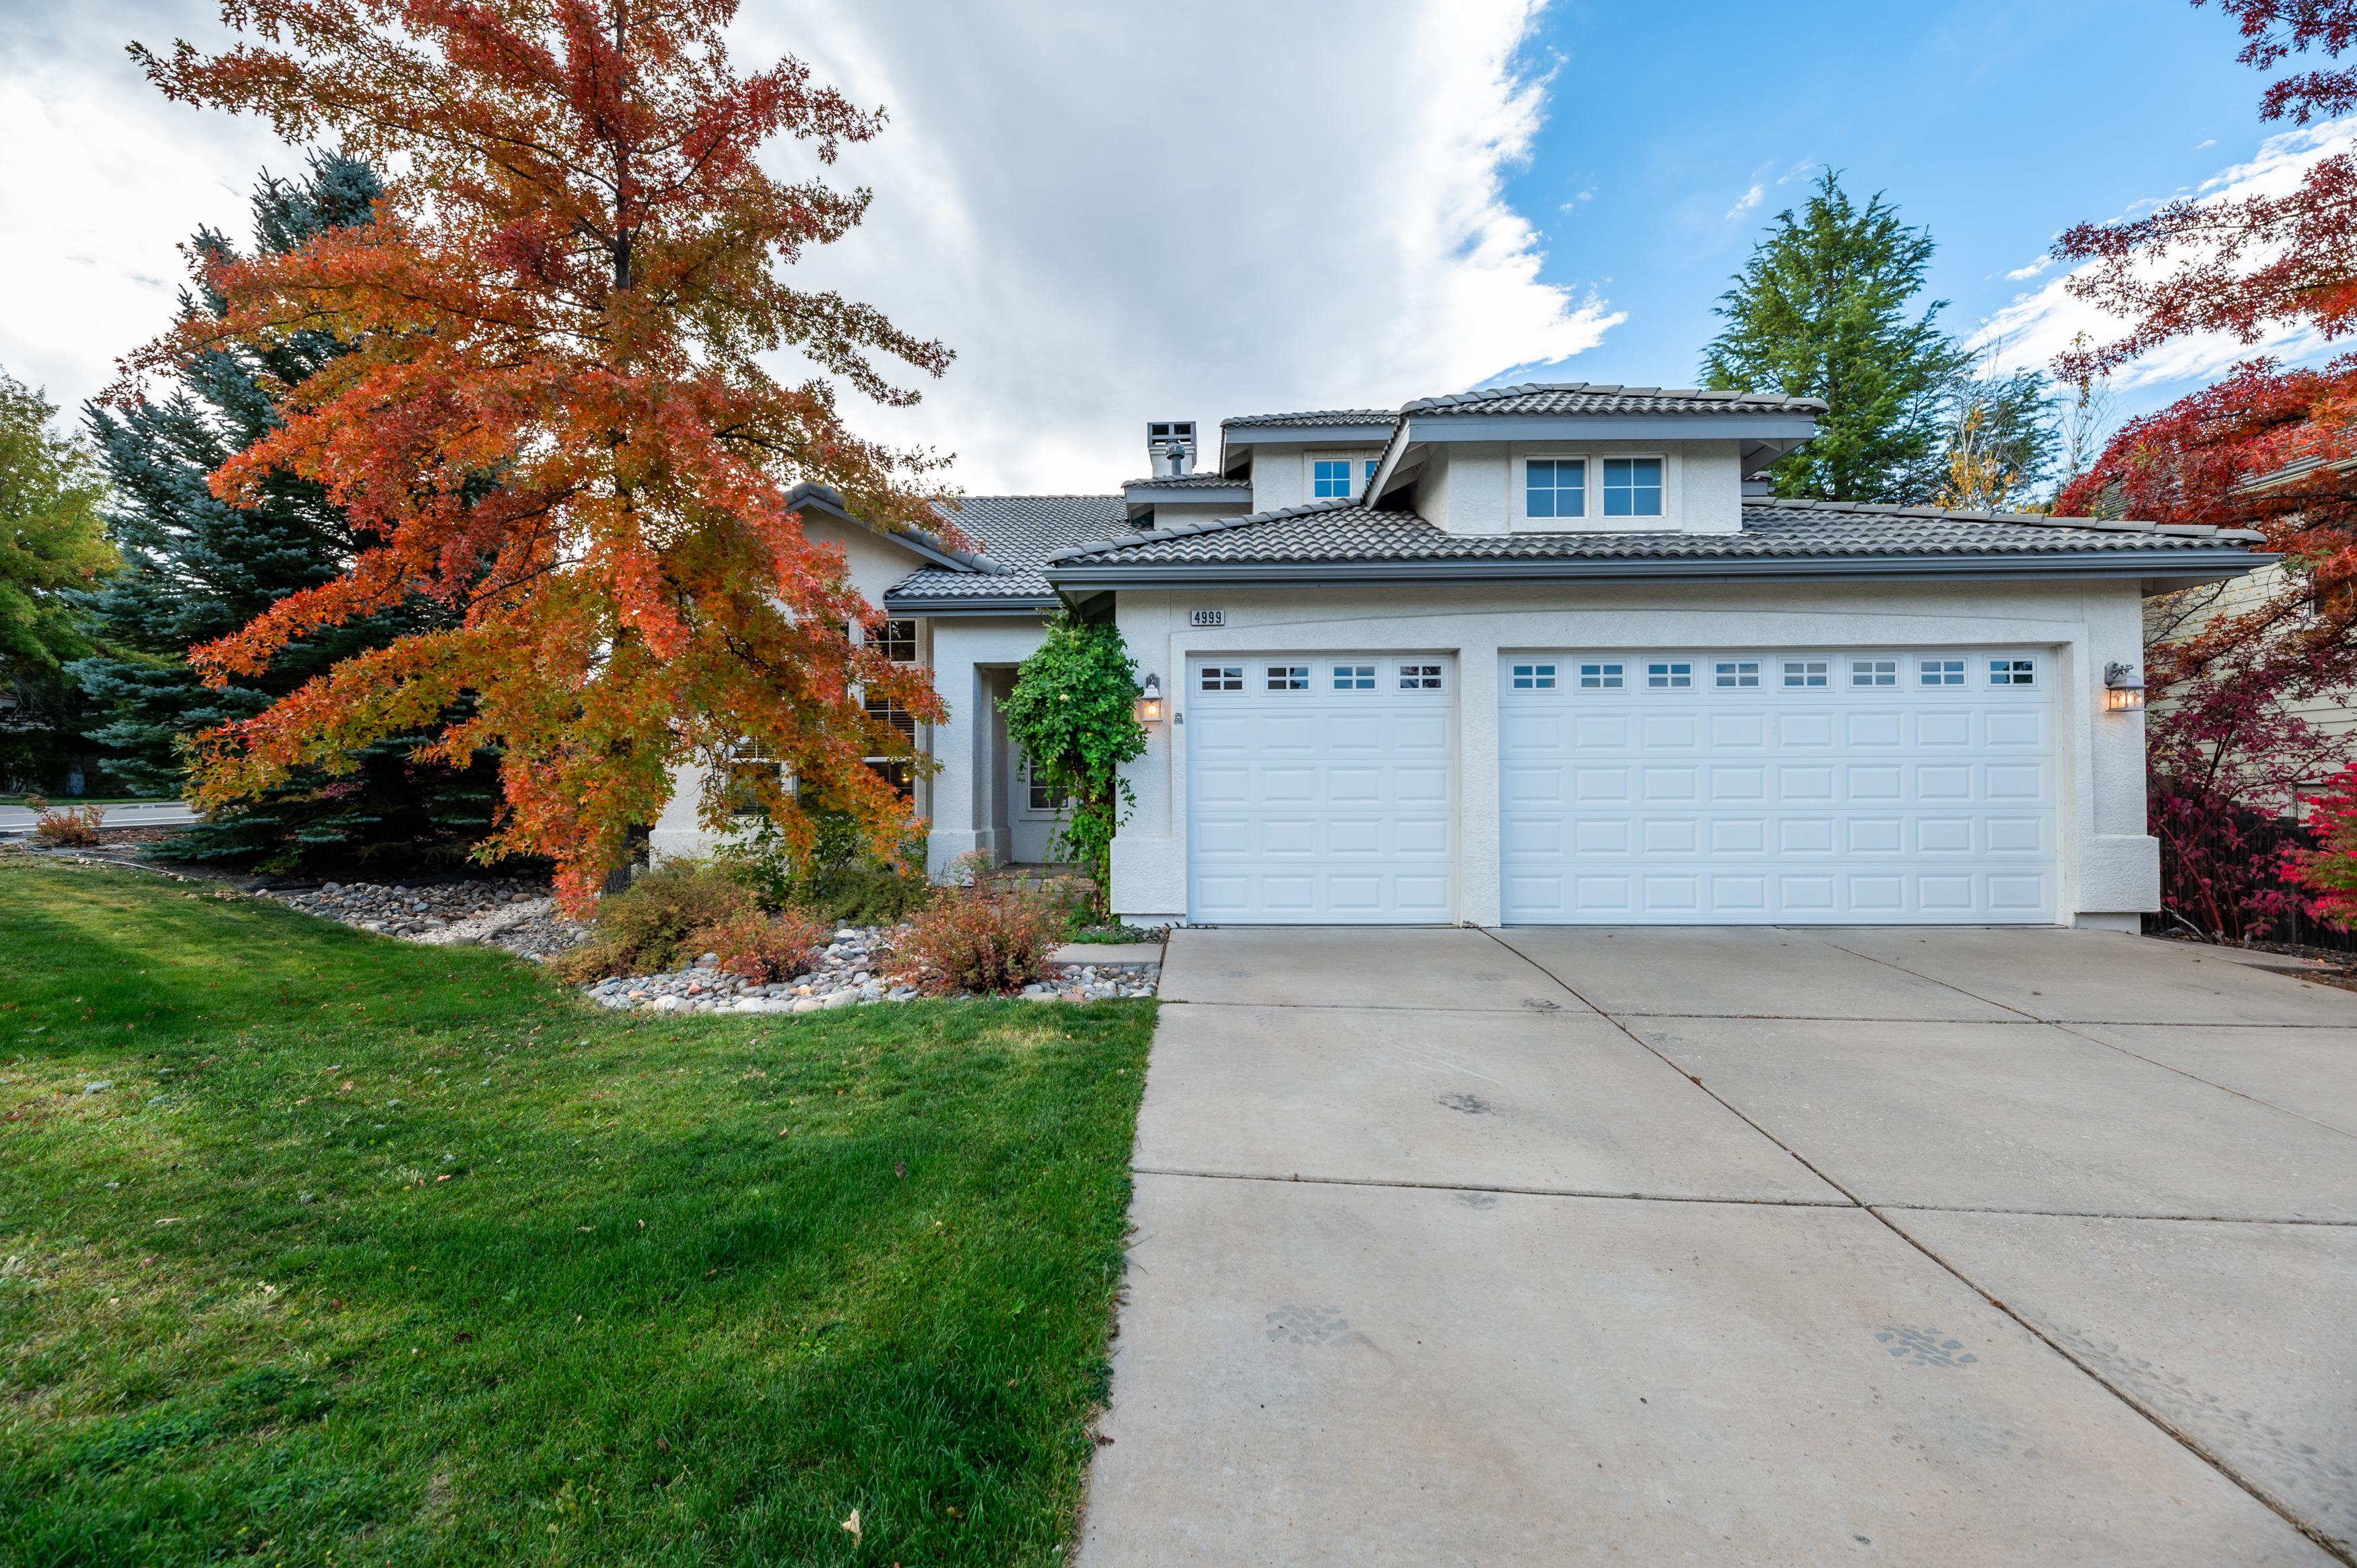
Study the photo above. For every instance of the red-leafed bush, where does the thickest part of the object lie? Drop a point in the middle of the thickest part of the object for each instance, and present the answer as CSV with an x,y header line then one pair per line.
x,y
970,939
2328,867
74,827
763,947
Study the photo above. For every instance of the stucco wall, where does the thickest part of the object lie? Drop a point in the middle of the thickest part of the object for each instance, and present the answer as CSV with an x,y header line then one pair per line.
x,y
2109,867
874,564
968,810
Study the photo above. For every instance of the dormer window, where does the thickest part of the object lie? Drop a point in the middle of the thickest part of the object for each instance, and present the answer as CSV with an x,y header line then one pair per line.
x,y
1557,487
1632,486
1329,478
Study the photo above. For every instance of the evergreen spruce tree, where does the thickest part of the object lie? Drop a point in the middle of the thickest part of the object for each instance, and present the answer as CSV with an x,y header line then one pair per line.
x,y
196,569
52,550
1822,310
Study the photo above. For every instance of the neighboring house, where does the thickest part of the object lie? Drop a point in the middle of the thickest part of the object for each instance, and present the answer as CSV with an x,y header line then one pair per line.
x,y
1542,654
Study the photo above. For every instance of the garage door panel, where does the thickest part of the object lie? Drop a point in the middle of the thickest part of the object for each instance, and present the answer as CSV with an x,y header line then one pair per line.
x,y
1738,732
1868,731
1801,732
1884,803
1945,782
1603,835
2027,730
1600,733
1600,784
1949,731
1311,801
1738,783
1673,732
1738,835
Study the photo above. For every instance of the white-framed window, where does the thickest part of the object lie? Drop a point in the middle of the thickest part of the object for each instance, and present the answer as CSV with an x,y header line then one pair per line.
x,y
1330,478
1939,671
1354,677
1555,487
1420,677
1669,674
1223,677
1808,673
1873,671
1736,673
1288,677
1606,676
1039,797
1632,486
2013,671
1533,677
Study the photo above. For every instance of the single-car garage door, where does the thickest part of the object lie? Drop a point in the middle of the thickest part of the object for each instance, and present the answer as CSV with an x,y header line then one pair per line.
x,y
1321,788
1778,785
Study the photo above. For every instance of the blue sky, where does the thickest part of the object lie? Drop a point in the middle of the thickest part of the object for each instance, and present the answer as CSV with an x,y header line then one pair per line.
x,y
1994,124
1120,214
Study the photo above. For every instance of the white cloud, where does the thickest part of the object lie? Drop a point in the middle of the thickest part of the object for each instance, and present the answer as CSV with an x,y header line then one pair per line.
x,y
1118,215
1113,215
2033,269
1750,200
2037,325
2199,146
103,179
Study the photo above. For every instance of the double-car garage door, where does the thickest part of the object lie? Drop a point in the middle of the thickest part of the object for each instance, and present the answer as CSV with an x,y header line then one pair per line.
x,y
1699,787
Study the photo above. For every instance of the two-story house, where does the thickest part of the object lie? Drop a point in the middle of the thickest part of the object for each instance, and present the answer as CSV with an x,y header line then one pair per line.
x,y
1546,654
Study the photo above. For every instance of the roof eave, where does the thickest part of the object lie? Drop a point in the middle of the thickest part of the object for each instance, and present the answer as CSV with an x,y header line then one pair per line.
x,y
2182,567
951,605
1736,425
1306,435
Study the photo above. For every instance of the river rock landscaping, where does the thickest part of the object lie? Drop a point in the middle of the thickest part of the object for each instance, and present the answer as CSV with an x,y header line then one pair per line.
x,y
856,967
517,915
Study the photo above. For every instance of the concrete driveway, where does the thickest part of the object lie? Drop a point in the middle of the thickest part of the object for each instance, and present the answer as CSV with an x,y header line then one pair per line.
x,y
1736,1246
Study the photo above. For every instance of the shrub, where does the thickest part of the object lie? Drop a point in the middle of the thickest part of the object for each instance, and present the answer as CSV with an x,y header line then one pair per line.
x,y
76,826
980,942
839,880
764,948
649,925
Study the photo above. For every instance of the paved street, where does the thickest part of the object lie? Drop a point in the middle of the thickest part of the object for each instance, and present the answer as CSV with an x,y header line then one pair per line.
x,y
15,820
1734,1246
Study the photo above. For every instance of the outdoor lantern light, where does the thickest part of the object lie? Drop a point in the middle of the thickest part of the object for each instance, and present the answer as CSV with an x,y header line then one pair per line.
x,y
1149,701
2123,689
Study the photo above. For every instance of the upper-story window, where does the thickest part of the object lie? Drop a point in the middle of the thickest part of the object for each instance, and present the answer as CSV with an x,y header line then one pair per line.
x,y
896,639
1632,486
1329,478
1555,487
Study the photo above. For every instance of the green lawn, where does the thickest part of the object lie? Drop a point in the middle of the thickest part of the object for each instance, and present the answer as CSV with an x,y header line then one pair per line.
x,y
375,1253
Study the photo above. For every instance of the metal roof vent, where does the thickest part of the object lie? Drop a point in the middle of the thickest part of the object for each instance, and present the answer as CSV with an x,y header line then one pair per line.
x,y
1170,447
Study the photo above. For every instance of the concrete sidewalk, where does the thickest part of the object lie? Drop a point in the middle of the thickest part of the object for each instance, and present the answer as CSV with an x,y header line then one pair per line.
x,y
1736,1246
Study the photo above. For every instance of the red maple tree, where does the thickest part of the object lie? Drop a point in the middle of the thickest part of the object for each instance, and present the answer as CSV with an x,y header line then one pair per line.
x,y
556,415
2244,266
2266,448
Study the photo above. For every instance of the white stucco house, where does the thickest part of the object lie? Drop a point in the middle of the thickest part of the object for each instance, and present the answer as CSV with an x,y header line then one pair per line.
x,y
1542,654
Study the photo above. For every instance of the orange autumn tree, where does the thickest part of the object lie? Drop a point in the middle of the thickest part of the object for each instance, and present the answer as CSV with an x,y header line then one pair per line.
x,y
555,418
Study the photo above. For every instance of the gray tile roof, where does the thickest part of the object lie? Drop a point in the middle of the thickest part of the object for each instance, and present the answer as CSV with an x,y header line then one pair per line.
x,y
1315,417
1017,534
1589,397
1344,531
1186,482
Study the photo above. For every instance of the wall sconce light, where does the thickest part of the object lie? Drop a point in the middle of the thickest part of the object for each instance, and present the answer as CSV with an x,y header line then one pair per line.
x,y
2123,689
1149,701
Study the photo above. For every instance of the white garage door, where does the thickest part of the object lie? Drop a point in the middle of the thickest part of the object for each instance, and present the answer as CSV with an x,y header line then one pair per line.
x,y
1321,788
1909,786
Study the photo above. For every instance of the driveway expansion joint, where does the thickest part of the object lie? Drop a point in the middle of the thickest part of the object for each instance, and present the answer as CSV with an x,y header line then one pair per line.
x,y
1298,1180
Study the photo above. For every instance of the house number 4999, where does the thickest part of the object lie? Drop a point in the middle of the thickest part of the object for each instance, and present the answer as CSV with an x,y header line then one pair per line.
x,y
1209,617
